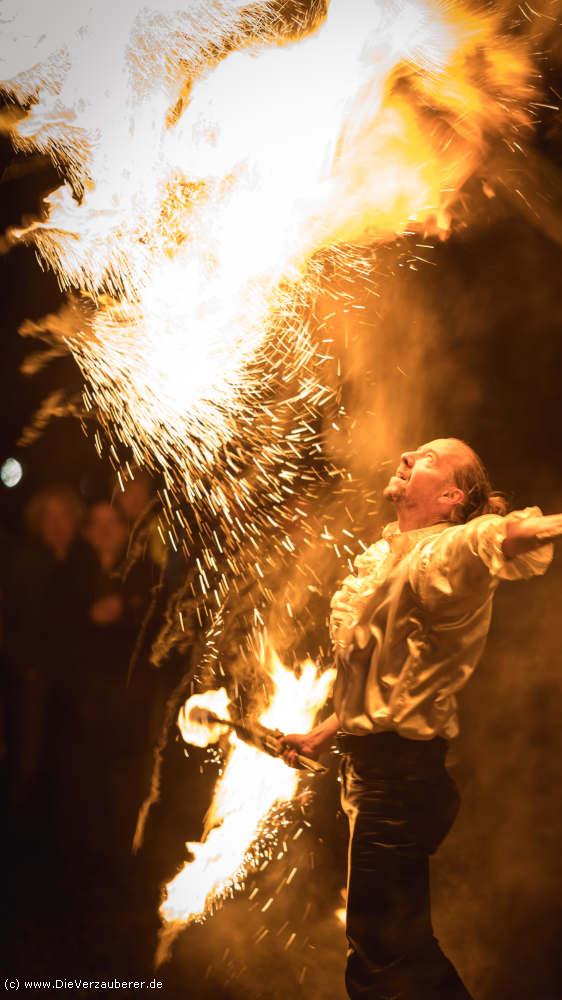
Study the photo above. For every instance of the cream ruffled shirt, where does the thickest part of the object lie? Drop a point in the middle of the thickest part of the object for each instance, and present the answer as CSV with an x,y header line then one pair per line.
x,y
410,626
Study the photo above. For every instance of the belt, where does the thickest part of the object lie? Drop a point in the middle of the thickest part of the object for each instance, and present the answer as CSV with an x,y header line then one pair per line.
x,y
392,754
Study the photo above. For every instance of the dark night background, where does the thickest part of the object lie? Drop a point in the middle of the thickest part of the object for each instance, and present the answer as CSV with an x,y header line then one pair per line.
x,y
469,347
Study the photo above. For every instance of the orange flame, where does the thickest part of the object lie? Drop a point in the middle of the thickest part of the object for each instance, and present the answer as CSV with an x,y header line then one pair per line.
x,y
249,798
201,214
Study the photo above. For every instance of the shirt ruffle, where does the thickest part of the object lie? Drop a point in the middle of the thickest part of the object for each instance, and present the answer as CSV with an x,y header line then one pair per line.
x,y
348,603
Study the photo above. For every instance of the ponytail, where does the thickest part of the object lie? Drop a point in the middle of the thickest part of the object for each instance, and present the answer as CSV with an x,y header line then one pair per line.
x,y
479,498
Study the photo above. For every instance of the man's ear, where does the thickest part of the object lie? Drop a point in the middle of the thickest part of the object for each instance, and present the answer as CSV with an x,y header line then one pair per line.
x,y
452,497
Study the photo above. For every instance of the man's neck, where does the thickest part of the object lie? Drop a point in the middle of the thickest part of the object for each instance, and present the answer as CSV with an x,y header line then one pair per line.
x,y
410,519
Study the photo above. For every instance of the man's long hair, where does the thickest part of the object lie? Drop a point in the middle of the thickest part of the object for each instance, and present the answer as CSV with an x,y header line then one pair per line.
x,y
473,479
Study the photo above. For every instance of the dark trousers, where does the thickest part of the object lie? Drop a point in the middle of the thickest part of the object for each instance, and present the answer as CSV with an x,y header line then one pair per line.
x,y
401,803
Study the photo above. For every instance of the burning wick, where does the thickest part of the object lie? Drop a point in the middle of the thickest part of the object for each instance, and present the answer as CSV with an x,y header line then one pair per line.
x,y
267,740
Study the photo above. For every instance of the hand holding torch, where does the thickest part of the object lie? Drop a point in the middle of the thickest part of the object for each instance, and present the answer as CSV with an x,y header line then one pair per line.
x,y
267,740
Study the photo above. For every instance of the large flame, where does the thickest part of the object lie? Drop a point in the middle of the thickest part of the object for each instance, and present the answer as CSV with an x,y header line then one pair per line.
x,y
248,802
202,181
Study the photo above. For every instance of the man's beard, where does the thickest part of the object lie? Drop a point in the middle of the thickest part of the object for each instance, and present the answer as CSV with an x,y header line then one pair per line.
x,y
394,489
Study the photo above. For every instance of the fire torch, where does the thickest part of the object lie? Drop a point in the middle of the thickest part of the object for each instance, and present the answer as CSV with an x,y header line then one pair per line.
x,y
257,735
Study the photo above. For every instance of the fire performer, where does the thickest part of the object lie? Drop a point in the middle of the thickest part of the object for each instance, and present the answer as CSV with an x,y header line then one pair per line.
x,y
408,629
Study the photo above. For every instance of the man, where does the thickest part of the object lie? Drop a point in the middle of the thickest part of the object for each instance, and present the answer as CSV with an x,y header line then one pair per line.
x,y
408,629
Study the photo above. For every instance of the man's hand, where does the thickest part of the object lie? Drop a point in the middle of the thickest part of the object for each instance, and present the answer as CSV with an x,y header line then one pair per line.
x,y
295,743
310,744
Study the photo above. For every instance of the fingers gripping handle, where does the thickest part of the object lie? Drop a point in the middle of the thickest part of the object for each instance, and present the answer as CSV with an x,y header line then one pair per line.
x,y
308,764
268,740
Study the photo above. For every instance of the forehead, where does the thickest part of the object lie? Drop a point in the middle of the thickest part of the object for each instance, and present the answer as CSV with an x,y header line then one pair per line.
x,y
448,450
103,514
56,505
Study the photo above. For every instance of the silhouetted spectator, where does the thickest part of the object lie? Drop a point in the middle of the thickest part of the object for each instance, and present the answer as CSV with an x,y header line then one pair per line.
x,y
106,532
109,734
46,605
138,501
136,496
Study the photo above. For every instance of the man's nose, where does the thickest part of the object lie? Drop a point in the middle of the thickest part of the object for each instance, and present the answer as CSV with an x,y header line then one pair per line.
x,y
408,457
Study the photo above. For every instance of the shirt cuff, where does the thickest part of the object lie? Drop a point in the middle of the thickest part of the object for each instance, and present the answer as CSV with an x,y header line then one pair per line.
x,y
520,567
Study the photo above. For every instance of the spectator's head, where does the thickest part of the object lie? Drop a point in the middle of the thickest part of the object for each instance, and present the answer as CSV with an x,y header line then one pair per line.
x,y
106,531
134,499
53,516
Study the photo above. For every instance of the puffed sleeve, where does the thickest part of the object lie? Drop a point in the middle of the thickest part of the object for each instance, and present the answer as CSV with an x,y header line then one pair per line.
x,y
487,539
467,559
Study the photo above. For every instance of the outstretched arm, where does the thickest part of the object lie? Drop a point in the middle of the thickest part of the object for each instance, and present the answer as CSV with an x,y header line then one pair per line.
x,y
530,533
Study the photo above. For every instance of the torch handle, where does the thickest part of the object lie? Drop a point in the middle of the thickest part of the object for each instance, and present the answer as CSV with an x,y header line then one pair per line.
x,y
271,738
267,740
309,764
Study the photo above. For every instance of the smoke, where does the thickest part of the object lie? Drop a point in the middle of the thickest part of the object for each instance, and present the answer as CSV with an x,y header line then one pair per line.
x,y
496,874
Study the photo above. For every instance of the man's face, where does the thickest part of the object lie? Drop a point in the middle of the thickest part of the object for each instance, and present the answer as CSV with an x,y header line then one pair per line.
x,y
105,529
424,475
58,524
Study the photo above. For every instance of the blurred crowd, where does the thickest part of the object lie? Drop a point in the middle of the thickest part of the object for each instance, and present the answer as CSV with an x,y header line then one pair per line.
x,y
78,726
